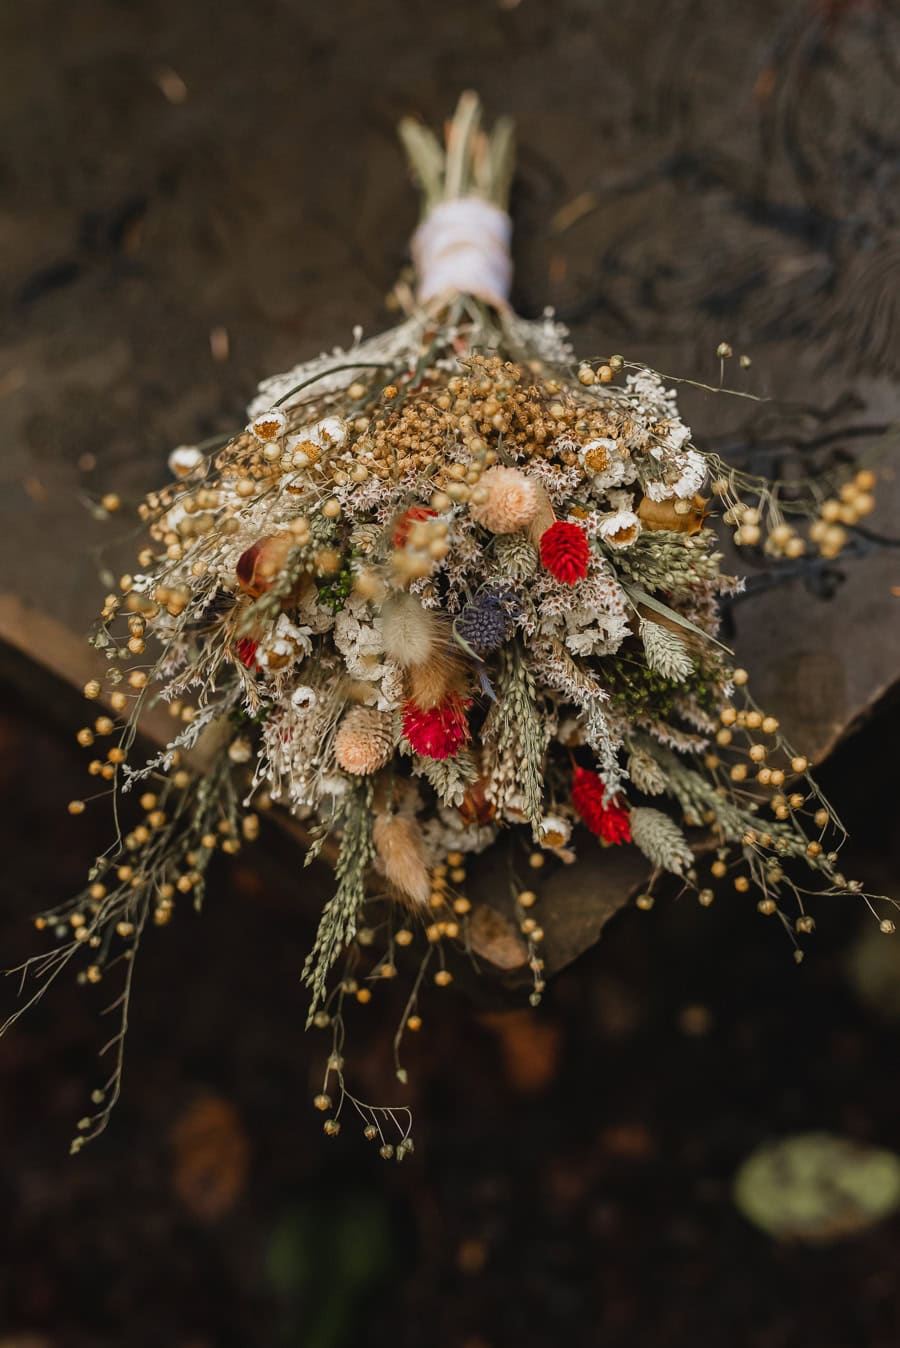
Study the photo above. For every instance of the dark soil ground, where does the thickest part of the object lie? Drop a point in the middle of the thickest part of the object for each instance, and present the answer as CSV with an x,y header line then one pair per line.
x,y
572,1179
176,174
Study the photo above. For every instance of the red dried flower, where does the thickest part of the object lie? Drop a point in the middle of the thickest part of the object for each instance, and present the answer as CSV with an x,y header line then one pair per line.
x,y
605,817
565,551
437,732
245,650
403,523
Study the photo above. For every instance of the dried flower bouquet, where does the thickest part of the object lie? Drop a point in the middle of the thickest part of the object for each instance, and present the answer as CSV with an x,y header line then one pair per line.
x,y
447,585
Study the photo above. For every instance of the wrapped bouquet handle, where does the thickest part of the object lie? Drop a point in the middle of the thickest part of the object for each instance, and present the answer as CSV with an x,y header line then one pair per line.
x,y
462,246
449,593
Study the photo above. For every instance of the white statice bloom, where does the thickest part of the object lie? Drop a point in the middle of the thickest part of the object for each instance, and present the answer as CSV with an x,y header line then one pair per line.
x,y
648,396
448,833
676,436
620,473
620,529
360,499
359,638
392,690
620,500
317,617
591,617
683,474
590,631
546,337
594,639
560,483
333,370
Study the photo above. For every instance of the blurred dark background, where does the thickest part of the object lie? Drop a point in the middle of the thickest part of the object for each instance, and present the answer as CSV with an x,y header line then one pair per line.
x,y
193,196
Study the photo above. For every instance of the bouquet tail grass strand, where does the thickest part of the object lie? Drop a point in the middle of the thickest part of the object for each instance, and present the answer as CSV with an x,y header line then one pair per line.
x,y
446,588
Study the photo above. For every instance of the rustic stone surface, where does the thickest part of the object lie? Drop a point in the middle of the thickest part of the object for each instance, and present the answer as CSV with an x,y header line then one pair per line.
x,y
673,190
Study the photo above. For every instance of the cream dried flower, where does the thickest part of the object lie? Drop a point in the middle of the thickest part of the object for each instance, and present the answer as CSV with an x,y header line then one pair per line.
x,y
269,424
185,460
620,529
364,741
554,831
597,454
512,502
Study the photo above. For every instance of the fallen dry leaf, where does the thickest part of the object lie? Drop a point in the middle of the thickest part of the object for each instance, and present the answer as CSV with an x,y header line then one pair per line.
x,y
530,1048
212,1157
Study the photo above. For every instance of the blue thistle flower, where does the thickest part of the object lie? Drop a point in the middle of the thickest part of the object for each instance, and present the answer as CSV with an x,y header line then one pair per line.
x,y
484,622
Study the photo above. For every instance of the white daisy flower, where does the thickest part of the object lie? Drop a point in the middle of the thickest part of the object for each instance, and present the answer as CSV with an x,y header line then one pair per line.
x,y
620,529
268,425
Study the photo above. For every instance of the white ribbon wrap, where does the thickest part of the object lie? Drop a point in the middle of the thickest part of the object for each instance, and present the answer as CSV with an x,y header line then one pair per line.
x,y
462,247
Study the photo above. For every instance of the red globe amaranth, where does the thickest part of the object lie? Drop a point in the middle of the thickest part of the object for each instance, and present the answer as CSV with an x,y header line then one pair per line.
x,y
245,650
437,732
565,551
604,817
403,523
